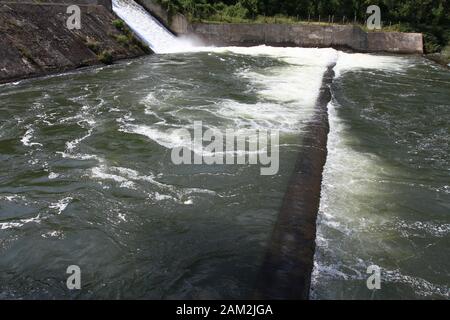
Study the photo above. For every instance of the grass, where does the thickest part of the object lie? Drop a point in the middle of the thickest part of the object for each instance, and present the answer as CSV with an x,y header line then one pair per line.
x,y
123,40
443,57
26,54
119,24
93,45
279,19
127,38
105,57
446,52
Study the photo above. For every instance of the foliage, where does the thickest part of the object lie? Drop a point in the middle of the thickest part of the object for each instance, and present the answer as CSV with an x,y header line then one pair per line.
x,y
119,24
123,40
105,57
92,44
127,38
26,54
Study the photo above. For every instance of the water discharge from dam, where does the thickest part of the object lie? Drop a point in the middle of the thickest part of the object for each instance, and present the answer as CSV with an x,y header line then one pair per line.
x,y
87,177
148,28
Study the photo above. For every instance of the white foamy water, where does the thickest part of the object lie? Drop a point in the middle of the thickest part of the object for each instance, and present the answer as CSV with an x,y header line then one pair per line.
x,y
19,223
26,139
58,206
286,97
132,179
360,61
61,205
287,93
150,30
355,226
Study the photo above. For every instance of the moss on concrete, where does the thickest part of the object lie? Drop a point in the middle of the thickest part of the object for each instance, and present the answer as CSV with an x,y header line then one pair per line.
x,y
34,40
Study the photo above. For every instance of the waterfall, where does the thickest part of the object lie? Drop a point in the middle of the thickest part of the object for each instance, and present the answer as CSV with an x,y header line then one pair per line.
x,y
148,28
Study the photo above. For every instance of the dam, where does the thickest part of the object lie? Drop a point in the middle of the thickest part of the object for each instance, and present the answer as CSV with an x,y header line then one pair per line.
x,y
87,176
149,29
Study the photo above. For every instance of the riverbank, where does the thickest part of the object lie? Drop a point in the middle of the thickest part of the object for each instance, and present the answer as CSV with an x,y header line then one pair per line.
x,y
443,57
35,40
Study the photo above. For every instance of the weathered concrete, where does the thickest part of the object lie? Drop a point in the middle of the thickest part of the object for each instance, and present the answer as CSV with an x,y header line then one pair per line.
x,y
176,23
306,35
397,42
34,39
286,271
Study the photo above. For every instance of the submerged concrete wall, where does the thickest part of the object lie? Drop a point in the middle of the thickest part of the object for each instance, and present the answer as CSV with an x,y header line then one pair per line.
x,y
305,35
288,265
34,39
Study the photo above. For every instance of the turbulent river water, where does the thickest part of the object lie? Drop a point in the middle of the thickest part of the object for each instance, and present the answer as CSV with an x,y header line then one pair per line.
x,y
87,178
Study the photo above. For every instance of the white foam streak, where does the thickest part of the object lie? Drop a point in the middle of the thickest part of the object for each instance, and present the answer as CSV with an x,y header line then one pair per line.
x,y
169,138
20,223
359,61
128,178
61,205
26,139
291,55
71,145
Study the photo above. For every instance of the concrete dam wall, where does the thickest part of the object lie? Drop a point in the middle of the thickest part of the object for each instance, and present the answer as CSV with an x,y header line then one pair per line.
x,y
292,35
34,39
337,36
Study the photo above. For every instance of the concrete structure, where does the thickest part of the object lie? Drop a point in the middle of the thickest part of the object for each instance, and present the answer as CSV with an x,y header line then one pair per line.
x,y
34,39
294,35
397,42
288,264
307,35
177,23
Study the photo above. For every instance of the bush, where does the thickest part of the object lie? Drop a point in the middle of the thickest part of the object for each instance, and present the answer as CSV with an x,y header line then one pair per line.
x,y
105,57
123,40
92,45
119,24
139,44
431,43
251,6
26,54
